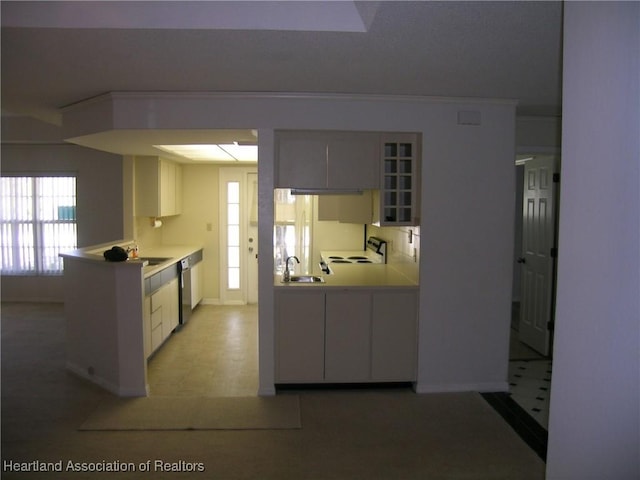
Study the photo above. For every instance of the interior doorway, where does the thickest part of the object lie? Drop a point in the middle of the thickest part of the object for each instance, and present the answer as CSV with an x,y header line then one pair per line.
x,y
530,362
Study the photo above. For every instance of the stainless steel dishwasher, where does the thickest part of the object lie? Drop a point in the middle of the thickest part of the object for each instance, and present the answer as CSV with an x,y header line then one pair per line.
x,y
187,296
184,294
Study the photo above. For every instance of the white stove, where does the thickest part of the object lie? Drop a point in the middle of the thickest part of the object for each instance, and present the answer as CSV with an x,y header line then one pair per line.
x,y
375,253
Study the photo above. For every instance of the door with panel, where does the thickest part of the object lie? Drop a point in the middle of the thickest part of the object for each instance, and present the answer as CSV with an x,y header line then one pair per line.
x,y
538,252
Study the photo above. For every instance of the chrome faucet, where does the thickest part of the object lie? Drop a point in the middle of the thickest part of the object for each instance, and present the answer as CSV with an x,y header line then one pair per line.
x,y
286,276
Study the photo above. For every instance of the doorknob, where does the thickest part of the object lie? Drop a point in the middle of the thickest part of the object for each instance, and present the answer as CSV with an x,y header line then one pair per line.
x,y
522,260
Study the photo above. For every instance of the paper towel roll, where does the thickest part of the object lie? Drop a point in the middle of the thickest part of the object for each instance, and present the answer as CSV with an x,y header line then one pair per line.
x,y
157,223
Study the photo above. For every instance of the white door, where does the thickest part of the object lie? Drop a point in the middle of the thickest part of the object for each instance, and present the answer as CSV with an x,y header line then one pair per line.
x,y
538,253
236,272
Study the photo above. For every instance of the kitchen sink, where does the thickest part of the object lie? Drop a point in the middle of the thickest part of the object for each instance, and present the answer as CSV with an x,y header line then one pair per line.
x,y
151,261
305,279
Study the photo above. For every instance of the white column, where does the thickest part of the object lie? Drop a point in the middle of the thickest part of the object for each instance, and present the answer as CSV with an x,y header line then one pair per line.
x,y
594,417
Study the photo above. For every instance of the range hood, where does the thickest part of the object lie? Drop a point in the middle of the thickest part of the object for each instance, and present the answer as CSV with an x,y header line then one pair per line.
x,y
326,191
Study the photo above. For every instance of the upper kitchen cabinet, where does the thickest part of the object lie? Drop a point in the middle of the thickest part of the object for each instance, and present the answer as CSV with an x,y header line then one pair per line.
x,y
327,160
158,187
398,199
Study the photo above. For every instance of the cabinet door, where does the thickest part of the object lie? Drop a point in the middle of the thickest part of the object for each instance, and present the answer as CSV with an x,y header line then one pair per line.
x,y
394,336
146,326
299,337
172,318
156,333
196,284
178,188
147,182
354,160
348,330
301,159
167,188
346,208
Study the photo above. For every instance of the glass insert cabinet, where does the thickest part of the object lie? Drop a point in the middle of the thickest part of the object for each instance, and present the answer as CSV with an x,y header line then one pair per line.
x,y
398,202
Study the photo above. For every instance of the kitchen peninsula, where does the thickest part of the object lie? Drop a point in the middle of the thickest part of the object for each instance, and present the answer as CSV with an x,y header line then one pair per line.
x,y
111,328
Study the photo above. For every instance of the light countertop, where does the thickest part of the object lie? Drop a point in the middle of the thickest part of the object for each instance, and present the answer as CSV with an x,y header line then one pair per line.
x,y
351,275
173,253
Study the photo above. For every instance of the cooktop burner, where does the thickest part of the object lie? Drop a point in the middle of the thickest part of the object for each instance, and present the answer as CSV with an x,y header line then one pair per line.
x,y
374,253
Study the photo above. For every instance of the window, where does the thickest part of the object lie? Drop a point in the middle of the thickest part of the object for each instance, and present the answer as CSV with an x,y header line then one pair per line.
x,y
292,230
37,223
233,235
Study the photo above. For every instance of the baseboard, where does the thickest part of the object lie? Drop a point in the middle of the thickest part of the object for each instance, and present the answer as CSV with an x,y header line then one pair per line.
x,y
210,301
462,387
106,384
268,391
218,302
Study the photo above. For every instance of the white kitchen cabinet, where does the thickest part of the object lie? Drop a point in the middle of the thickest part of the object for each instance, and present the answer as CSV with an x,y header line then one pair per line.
x,y
347,336
146,325
394,333
346,208
398,199
299,336
196,284
158,187
301,159
171,317
354,335
161,315
157,303
327,159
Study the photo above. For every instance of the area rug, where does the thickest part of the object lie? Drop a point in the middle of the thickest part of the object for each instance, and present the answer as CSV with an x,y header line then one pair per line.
x,y
196,413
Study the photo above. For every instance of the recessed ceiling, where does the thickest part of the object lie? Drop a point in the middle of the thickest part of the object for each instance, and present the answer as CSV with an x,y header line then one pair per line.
x,y
144,142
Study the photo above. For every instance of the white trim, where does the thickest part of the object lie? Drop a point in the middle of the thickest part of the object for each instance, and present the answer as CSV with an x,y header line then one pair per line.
x,y
106,384
462,387
116,95
267,392
210,301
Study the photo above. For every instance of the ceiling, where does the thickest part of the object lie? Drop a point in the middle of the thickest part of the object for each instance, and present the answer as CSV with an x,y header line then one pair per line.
x,y
58,53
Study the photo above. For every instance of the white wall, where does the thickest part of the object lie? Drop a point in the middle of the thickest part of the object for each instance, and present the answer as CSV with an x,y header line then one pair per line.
x,y
468,191
467,208
594,423
99,203
200,207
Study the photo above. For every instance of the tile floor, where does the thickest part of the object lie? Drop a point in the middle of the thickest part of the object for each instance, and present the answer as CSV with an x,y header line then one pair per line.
x,y
529,380
530,387
214,354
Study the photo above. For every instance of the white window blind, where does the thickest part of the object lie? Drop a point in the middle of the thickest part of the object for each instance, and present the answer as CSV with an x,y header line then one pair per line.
x,y
37,223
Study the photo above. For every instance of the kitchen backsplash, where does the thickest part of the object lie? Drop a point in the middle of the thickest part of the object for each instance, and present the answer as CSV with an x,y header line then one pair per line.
x,y
403,247
145,234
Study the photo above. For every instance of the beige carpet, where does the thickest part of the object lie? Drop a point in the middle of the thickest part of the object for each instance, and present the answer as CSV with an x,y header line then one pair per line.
x,y
196,413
